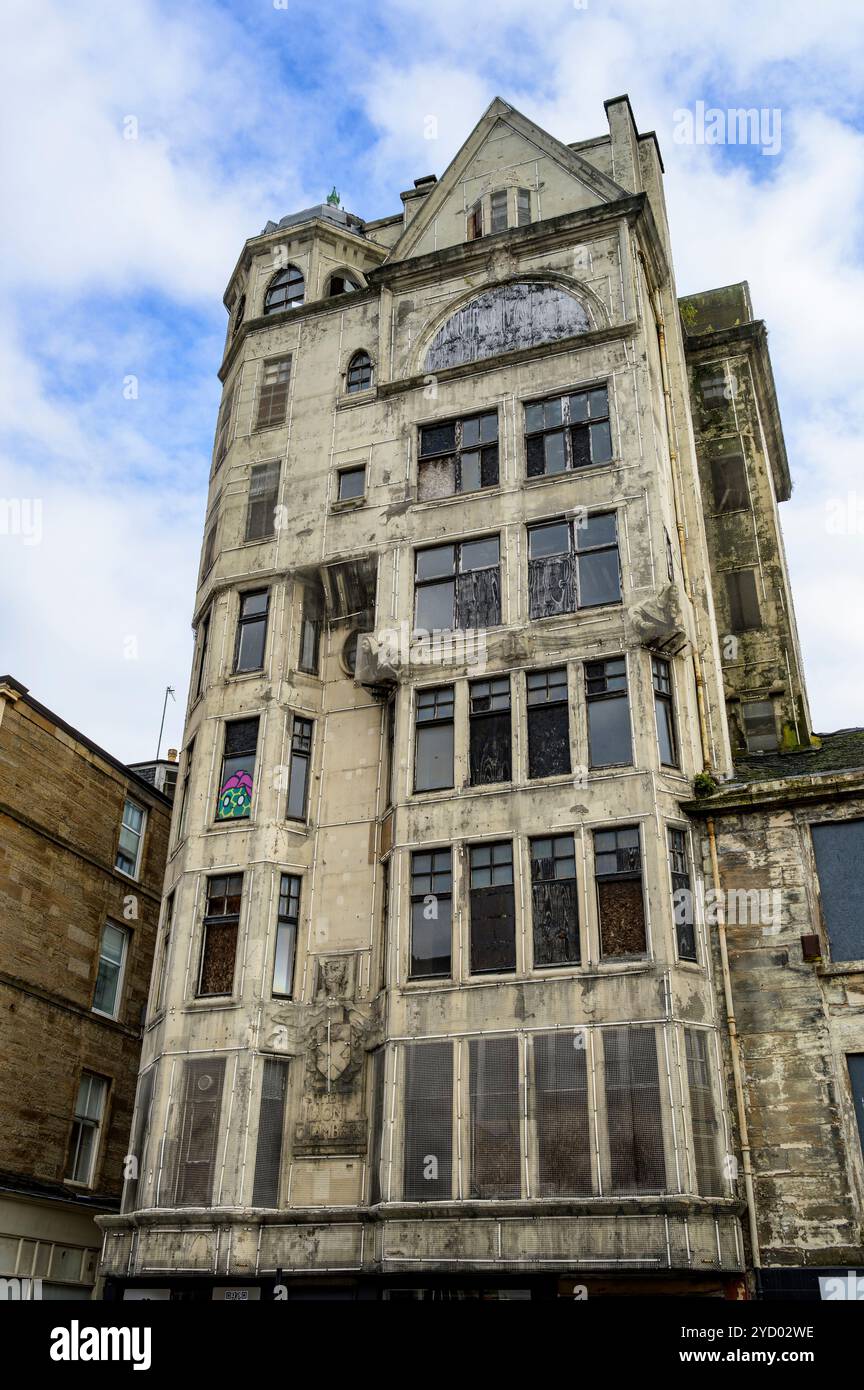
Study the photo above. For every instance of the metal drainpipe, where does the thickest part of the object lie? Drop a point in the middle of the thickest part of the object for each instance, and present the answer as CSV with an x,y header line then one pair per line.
x,y
744,1137
735,1050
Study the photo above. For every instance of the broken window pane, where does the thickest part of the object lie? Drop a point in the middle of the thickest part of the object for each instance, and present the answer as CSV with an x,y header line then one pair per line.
x,y
633,1110
271,1121
554,901
493,908
728,475
436,478
490,756
664,711
618,871
567,432
760,726
682,896
609,740
428,1150
561,1111
703,1114
198,1129
494,1088
839,851
459,456
743,600
238,770
219,943
548,723
431,898
433,755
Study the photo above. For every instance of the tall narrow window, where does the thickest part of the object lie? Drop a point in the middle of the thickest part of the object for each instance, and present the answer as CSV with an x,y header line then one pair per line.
x,y
682,895
359,375
251,631
239,314
86,1128
548,723
493,909
609,741
561,1109
703,1113
458,456
198,1131
494,1092
286,290
208,553
128,859
523,207
238,770
568,432
664,711
310,628
273,394
389,750
760,726
743,600
271,1123
431,917
475,222
164,953
839,850
458,586
298,776
573,565
287,919
490,731
618,871
219,942
138,1139
554,901
261,506
728,475
433,742
203,642
112,962
633,1110
498,205
428,1149
223,425
855,1064
377,1185
184,792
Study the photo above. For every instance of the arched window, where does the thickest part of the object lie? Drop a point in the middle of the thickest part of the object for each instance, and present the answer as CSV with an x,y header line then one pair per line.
x,y
287,290
342,284
359,372
238,314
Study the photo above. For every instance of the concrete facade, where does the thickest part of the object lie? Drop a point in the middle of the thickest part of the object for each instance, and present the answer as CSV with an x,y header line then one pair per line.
x,y
66,1016
374,1124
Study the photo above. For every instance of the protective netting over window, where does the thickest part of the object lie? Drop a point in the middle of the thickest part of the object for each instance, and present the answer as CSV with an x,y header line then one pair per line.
x,y
271,1123
703,1113
376,1136
494,1072
198,1132
428,1152
633,1110
561,1114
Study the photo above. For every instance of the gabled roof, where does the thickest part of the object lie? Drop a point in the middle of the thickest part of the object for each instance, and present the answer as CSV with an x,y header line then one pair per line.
x,y
605,189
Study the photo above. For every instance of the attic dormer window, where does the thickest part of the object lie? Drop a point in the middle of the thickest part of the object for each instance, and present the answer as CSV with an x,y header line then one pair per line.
x,y
475,222
499,211
523,207
342,284
287,290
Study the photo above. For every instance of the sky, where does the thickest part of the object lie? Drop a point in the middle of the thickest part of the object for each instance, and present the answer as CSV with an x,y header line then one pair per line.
x,y
142,143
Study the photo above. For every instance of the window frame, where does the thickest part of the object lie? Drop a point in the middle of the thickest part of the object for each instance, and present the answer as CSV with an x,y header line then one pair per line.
x,y
244,719
354,498
292,926
678,855
576,554
452,578
265,468
416,897
95,1126
478,718
621,875
276,283
553,839
566,427
460,447
135,873
441,721
211,919
274,394
120,977
546,672
359,362
607,697
244,621
491,846
301,747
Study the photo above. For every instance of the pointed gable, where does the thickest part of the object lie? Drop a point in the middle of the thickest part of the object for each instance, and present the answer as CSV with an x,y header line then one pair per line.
x,y
505,151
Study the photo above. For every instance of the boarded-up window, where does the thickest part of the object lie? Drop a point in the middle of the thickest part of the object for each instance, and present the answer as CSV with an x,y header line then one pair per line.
x,y
573,565
561,1115
428,1142
839,850
431,916
238,770
493,908
682,895
760,725
743,600
633,1110
664,711
458,456
219,946
609,742
548,723
495,1147
567,432
273,395
261,506
271,1119
554,901
198,1133
728,476
703,1114
433,751
618,871
458,586
490,731
376,1125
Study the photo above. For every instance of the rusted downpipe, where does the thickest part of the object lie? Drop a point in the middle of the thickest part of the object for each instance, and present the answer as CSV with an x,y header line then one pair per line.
x,y
734,1048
